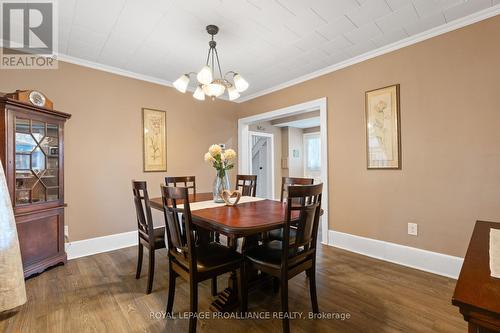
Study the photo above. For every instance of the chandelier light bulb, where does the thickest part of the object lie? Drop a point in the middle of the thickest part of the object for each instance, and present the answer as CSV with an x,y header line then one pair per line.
x,y
199,94
233,93
240,83
205,75
181,83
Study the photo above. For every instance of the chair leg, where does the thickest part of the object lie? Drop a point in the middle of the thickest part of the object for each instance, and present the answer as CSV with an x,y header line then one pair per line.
x,y
171,288
312,289
139,261
151,270
243,289
284,304
214,286
193,305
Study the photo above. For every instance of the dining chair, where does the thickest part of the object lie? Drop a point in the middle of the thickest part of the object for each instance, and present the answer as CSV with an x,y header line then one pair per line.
x,y
284,260
190,183
277,234
148,236
194,263
247,184
185,181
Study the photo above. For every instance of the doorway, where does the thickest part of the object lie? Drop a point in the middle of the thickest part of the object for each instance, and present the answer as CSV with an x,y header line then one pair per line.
x,y
245,164
261,160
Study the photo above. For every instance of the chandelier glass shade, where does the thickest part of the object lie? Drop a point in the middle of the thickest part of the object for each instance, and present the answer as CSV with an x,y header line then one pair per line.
x,y
199,94
208,84
214,89
181,83
233,93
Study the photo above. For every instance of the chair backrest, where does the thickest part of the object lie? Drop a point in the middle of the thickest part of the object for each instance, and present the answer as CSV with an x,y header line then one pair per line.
x,y
179,242
248,184
184,181
142,209
287,181
306,200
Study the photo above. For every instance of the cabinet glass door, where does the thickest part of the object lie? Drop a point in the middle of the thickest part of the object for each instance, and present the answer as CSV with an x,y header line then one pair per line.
x,y
37,161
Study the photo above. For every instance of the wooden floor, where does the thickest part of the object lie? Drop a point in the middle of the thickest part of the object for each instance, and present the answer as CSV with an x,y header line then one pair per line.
x,y
100,294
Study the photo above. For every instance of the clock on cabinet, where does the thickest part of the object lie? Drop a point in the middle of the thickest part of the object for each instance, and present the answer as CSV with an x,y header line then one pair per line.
x,y
33,97
31,150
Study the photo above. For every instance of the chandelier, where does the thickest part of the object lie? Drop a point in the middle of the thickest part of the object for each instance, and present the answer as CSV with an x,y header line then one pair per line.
x,y
208,84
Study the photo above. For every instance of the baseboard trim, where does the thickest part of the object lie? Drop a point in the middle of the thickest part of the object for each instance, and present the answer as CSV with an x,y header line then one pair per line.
x,y
432,262
88,247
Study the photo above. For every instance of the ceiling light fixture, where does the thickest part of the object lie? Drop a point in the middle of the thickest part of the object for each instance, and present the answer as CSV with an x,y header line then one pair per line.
x,y
208,84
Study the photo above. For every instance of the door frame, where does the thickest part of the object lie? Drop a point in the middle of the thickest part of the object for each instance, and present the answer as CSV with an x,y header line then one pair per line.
x,y
270,156
243,146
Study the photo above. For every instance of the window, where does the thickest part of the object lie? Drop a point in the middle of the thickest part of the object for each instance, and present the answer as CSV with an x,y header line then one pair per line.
x,y
312,155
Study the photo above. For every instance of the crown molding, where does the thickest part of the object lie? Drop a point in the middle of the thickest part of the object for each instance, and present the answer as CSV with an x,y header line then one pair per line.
x,y
442,29
122,72
112,70
450,26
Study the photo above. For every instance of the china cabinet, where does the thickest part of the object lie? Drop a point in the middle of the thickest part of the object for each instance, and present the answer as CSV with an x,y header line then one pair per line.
x,y
32,151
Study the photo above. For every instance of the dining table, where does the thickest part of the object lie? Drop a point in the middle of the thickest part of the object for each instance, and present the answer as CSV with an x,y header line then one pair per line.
x,y
248,219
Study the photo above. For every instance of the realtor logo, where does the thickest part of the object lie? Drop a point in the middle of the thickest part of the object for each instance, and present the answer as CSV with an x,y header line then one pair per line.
x,y
28,35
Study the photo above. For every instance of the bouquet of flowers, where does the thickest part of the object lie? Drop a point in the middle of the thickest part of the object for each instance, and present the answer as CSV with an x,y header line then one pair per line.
x,y
220,160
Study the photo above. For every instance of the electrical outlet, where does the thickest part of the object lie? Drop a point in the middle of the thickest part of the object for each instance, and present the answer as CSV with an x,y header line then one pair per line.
x,y
412,229
66,231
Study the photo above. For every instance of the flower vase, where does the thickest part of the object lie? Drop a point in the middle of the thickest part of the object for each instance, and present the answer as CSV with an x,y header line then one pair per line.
x,y
221,183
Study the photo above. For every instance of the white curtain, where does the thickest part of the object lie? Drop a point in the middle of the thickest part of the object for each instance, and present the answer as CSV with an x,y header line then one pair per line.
x,y
312,156
12,288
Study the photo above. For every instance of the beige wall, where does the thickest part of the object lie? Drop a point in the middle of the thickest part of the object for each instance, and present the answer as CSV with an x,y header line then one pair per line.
x,y
450,140
450,119
295,142
103,150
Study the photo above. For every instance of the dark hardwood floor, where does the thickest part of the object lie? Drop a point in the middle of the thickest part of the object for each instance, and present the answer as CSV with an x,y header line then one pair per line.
x,y
100,294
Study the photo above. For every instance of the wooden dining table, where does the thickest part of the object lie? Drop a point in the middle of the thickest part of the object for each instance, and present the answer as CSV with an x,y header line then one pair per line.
x,y
246,220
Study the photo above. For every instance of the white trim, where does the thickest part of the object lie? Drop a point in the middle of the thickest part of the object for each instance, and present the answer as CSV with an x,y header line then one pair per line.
x,y
243,147
87,247
424,260
433,262
442,29
113,70
123,72
269,157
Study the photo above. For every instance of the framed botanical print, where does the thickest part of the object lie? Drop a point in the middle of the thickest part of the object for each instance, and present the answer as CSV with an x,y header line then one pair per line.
x,y
383,133
154,123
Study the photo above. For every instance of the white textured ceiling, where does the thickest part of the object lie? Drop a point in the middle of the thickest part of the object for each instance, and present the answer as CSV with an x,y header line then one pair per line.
x,y
268,41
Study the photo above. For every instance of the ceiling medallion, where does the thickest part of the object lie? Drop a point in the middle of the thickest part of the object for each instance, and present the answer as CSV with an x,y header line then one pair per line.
x,y
207,83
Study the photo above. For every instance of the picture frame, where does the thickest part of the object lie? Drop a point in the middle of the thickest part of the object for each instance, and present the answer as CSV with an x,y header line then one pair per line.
x,y
383,128
154,140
